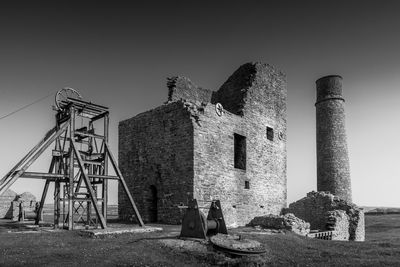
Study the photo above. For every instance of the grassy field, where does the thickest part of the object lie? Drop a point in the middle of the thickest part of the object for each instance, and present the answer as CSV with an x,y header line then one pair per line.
x,y
72,249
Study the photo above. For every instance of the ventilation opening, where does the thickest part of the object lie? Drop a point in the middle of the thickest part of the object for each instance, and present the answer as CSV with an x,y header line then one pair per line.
x,y
240,151
270,133
152,204
246,185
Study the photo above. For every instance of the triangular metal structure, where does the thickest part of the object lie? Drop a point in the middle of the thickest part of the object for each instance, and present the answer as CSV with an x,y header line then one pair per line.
x,y
79,165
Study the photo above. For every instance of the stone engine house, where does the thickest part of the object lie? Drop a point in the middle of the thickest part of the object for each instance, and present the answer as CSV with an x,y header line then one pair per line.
x,y
228,144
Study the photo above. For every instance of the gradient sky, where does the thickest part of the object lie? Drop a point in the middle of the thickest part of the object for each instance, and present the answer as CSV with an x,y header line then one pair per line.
x,y
119,55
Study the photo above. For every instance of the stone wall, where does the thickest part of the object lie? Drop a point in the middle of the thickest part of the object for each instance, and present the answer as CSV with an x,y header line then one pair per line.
x,y
6,204
265,174
156,149
358,224
187,150
316,208
338,221
232,94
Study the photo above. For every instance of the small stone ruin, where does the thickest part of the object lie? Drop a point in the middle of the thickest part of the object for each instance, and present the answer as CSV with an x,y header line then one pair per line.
x,y
24,206
6,199
282,222
11,203
326,212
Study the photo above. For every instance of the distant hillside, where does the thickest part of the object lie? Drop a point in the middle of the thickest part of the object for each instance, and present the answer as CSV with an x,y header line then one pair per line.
x,y
381,210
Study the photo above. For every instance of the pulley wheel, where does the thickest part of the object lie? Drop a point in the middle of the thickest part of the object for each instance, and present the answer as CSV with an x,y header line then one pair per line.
x,y
62,96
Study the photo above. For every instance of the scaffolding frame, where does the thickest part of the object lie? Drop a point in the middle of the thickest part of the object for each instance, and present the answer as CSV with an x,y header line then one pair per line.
x,y
79,164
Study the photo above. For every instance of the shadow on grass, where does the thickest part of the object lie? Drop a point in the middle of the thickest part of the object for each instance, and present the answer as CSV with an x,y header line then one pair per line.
x,y
154,238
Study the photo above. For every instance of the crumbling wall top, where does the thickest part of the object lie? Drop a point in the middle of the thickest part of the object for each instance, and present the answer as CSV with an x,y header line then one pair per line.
x,y
253,85
182,88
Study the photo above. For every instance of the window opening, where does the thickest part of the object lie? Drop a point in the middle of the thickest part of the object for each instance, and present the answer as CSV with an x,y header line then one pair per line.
x,y
240,151
270,133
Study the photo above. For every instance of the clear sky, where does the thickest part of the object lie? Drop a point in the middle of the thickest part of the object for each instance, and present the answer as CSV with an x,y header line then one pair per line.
x,y
119,55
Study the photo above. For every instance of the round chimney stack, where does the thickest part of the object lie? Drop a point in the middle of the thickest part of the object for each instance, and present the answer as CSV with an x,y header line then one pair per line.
x,y
333,170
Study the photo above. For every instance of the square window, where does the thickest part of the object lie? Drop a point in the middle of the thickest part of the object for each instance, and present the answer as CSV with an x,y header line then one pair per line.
x,y
270,133
240,151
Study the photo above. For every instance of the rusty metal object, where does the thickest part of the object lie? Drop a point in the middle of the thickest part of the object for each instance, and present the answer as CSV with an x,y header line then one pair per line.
x,y
196,225
62,96
236,245
326,235
27,212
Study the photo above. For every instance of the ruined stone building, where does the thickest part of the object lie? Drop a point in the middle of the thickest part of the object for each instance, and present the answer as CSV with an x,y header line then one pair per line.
x,y
6,209
228,144
10,204
331,208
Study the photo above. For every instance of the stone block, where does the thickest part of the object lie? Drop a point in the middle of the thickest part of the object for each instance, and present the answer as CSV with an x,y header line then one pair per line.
x,y
287,222
338,221
5,204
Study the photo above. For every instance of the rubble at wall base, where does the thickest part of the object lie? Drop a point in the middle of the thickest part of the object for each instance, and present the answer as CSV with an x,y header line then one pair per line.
x,y
286,222
326,212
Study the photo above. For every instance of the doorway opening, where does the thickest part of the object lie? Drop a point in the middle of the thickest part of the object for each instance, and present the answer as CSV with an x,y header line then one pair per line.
x,y
152,204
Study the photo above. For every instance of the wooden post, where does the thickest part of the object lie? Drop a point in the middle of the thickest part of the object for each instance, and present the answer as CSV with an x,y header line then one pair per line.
x,y
30,153
21,216
88,185
8,182
89,212
56,204
39,216
71,171
124,185
105,181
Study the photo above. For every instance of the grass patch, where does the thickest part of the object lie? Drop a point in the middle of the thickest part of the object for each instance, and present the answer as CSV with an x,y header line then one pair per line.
x,y
145,249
